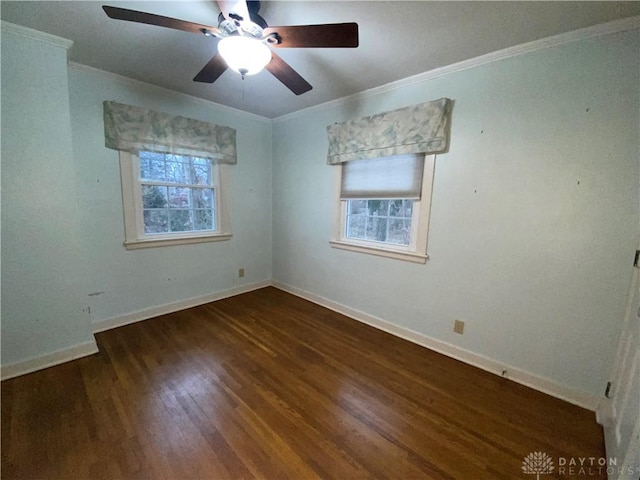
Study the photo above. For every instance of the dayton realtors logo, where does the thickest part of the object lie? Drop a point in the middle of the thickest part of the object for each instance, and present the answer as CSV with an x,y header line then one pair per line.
x,y
537,463
541,463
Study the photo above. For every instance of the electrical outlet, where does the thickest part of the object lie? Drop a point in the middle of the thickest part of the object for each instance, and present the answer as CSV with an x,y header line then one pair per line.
x,y
241,273
458,326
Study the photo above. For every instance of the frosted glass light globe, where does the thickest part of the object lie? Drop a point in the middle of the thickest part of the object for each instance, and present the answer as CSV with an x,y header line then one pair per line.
x,y
245,55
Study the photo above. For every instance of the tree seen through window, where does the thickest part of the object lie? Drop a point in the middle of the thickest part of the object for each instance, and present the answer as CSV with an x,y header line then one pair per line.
x,y
177,193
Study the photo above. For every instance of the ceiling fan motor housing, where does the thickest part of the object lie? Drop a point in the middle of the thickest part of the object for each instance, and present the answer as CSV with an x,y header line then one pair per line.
x,y
254,8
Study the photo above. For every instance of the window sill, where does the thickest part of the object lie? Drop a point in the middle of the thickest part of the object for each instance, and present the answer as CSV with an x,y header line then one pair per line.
x,y
398,255
166,242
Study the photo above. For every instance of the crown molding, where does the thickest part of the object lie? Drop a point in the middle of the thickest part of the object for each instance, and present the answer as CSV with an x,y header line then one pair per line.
x,y
616,26
79,67
36,35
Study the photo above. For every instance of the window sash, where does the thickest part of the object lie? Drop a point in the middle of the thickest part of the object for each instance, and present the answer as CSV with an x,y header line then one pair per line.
x,y
416,252
191,206
139,207
415,218
135,236
383,178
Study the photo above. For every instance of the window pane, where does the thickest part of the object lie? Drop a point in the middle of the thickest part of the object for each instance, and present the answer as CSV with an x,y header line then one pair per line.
x,y
203,220
178,172
201,171
377,229
179,197
355,226
378,208
399,232
152,166
357,207
400,208
407,206
180,220
395,208
202,198
387,221
155,221
154,196
176,158
169,208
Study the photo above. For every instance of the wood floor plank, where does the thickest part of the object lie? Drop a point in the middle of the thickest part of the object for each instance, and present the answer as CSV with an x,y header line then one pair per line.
x,y
266,385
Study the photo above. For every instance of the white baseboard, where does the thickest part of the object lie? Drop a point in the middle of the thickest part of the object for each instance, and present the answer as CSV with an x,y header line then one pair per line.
x,y
49,360
523,377
89,348
114,322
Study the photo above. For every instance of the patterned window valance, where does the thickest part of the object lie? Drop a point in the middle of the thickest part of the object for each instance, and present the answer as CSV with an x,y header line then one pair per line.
x,y
134,129
422,128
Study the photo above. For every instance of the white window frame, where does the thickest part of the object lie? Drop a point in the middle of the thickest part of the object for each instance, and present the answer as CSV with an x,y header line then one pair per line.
x,y
416,251
135,236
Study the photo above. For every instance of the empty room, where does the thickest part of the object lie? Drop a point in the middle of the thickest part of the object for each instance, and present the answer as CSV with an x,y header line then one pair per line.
x,y
320,240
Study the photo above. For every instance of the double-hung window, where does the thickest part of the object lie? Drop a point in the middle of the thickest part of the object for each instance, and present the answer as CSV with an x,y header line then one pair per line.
x,y
384,206
173,172
171,199
385,166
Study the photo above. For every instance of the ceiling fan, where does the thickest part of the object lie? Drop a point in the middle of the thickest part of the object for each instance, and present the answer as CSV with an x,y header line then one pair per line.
x,y
244,39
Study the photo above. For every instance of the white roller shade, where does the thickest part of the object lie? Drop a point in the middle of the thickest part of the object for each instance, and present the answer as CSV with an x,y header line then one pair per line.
x,y
399,176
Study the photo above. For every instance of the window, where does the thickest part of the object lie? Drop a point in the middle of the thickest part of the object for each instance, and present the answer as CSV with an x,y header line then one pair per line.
x,y
385,205
379,220
171,199
176,198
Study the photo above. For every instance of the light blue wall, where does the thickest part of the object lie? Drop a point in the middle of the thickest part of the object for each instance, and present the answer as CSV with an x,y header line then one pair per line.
x,y
533,225
63,261
135,280
43,263
534,219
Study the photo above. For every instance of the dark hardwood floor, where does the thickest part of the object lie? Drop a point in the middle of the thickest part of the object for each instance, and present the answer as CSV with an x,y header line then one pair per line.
x,y
267,385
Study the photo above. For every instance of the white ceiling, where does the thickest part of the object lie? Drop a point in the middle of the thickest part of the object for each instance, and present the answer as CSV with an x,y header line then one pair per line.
x,y
397,39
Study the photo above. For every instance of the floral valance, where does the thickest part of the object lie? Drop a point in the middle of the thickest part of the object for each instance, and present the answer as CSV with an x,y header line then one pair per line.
x,y
134,129
422,128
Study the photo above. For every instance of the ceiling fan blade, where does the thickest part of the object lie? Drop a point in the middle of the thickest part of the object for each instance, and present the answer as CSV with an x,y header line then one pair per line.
x,y
287,75
211,70
234,9
330,35
152,19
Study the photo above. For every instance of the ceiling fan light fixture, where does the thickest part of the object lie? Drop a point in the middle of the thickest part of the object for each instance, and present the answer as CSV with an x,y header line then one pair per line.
x,y
245,55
